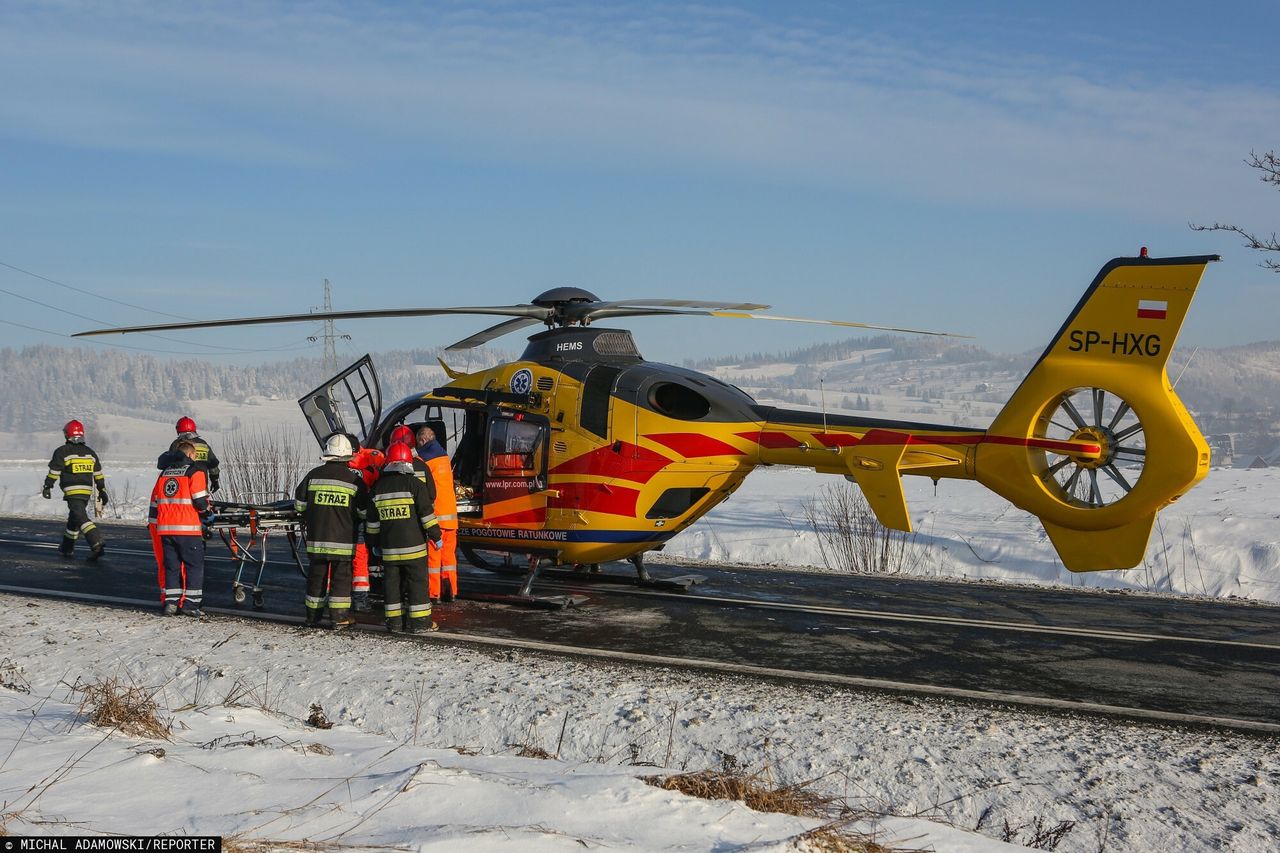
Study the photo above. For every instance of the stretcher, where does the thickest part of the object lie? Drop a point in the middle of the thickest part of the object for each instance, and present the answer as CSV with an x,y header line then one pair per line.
x,y
245,529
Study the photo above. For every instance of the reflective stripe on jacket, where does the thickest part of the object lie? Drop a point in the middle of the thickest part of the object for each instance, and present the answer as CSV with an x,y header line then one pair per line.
x,y
180,501
76,468
402,518
332,500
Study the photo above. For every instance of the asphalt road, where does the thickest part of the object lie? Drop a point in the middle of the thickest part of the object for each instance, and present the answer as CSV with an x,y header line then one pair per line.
x,y
1174,656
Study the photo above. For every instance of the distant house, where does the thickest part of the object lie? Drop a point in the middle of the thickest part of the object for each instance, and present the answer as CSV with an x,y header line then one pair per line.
x,y
1258,462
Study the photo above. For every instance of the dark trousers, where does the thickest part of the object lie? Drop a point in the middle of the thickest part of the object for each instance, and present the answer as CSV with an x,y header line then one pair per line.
x,y
329,582
78,523
183,570
405,592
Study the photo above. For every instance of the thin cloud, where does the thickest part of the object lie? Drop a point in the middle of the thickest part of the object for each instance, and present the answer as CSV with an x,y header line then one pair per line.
x,y
687,87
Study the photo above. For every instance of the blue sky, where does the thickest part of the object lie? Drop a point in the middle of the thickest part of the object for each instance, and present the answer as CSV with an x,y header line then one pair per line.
x,y
964,167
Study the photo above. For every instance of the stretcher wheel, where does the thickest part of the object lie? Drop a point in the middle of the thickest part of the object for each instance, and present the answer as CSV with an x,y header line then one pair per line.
x,y
258,601
238,594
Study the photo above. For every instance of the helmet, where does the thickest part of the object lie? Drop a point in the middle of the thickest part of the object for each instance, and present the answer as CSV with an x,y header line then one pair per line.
x,y
74,429
401,434
399,452
337,447
186,425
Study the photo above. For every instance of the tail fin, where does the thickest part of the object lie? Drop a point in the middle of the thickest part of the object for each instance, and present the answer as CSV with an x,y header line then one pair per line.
x,y
1102,380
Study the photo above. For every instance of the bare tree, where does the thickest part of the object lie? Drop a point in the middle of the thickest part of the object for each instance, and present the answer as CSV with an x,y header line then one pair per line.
x,y
1269,165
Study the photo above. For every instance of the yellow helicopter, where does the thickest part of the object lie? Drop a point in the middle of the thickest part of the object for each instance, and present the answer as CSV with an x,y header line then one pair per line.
x,y
581,451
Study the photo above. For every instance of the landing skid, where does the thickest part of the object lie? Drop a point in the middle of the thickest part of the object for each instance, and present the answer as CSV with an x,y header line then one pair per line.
x,y
586,574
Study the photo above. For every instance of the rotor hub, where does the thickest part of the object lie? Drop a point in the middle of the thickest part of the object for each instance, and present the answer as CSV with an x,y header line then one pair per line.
x,y
1101,436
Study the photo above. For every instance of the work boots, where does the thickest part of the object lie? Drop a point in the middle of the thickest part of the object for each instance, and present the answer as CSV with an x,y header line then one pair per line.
x,y
343,620
360,601
313,617
97,551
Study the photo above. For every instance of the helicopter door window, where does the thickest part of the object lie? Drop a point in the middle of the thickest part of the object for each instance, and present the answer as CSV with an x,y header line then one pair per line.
x,y
516,449
595,399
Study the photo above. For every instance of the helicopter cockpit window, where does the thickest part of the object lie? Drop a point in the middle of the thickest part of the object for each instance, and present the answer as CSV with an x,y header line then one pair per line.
x,y
678,401
516,448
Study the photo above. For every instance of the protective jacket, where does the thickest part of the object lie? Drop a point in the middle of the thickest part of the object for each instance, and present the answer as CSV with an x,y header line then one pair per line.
x,y
204,455
402,519
77,470
332,500
432,455
180,500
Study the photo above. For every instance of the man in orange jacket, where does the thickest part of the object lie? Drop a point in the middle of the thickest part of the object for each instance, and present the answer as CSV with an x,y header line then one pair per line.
x,y
442,562
180,509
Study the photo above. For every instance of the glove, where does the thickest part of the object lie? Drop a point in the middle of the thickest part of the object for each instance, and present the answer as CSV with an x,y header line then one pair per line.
x,y
46,492
205,531
102,496
435,540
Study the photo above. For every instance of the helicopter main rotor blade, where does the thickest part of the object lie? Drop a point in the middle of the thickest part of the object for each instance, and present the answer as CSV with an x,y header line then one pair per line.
x,y
534,313
624,311
503,328
679,303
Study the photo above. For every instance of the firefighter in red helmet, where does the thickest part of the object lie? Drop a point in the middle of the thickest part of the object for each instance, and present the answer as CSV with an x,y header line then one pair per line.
x,y
186,429
78,471
400,523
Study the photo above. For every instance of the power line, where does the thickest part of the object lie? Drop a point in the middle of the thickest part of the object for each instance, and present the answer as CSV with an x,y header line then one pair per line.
x,y
187,353
91,293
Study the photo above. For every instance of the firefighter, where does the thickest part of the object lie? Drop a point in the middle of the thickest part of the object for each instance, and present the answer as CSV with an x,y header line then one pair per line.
x,y
332,500
442,562
77,470
204,453
368,463
179,517
400,524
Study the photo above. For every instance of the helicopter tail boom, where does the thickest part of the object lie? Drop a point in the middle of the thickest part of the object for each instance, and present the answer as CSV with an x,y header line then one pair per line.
x,y
1102,381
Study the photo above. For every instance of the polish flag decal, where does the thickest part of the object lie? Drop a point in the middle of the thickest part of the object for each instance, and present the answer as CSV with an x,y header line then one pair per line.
x,y
1152,309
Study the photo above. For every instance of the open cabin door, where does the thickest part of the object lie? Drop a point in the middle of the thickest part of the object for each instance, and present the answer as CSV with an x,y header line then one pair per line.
x,y
349,402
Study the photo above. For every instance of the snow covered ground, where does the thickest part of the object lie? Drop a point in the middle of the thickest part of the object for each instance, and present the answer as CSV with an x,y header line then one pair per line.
x,y
424,749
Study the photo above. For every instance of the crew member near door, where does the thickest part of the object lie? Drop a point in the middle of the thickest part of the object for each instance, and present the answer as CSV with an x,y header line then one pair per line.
x,y
442,562
78,471
367,462
332,500
400,523
186,428
180,511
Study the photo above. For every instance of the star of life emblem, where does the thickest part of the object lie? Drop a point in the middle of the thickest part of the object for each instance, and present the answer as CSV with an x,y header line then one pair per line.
x,y
522,381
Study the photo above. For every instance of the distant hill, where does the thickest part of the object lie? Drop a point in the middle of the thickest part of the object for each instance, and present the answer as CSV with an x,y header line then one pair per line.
x,y
1234,390
43,384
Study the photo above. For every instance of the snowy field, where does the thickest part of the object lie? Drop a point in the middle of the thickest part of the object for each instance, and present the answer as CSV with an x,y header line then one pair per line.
x,y
425,750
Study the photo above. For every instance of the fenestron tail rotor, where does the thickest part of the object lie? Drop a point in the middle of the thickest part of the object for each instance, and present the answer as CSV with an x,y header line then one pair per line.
x,y
1095,415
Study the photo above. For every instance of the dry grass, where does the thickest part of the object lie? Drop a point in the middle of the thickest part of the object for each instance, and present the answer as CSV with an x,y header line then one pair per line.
x,y
317,719
851,539
128,709
758,791
525,750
